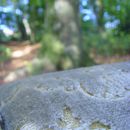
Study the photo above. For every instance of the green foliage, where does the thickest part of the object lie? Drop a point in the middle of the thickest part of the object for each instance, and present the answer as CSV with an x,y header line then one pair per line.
x,y
51,48
4,38
5,53
108,44
36,67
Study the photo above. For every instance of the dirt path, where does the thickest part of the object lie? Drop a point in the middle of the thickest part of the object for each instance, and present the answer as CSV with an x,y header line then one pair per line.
x,y
22,54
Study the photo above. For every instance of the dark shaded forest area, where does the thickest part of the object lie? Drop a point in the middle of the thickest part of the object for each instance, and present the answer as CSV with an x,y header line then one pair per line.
x,y
39,36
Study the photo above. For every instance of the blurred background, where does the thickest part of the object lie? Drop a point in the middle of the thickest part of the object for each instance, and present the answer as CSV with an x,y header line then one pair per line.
x,y
39,36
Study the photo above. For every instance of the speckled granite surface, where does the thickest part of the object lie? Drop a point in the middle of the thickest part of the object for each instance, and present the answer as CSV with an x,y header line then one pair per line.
x,y
93,98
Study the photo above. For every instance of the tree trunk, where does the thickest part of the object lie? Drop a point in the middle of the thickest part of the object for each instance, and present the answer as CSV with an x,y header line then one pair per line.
x,y
21,28
67,27
98,8
62,19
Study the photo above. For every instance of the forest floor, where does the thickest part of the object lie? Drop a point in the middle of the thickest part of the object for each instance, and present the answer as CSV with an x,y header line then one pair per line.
x,y
23,53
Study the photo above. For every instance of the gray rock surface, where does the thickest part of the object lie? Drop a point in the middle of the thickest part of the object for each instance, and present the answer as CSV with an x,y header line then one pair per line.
x,y
93,98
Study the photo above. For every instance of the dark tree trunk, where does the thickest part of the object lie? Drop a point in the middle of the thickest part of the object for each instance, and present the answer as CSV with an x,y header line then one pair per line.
x,y
21,28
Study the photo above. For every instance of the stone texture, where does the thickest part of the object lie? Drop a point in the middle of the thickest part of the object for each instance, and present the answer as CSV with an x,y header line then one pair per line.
x,y
93,98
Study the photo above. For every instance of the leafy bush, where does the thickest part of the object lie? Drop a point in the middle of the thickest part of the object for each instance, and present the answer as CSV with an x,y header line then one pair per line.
x,y
51,48
5,53
3,37
107,44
